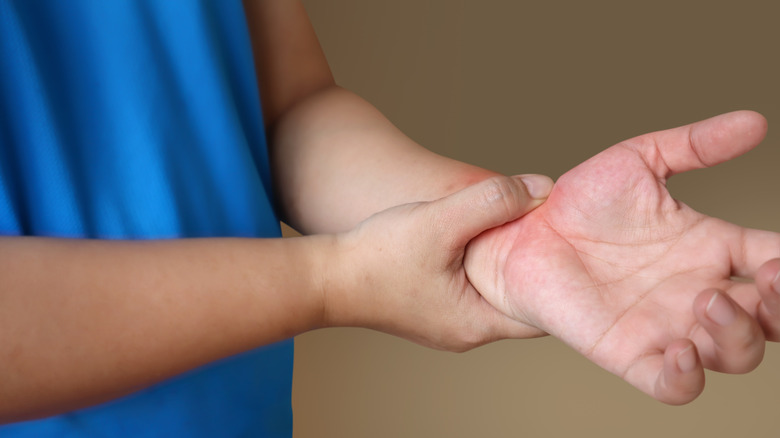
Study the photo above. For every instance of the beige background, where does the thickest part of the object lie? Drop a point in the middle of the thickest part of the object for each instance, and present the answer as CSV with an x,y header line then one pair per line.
x,y
517,87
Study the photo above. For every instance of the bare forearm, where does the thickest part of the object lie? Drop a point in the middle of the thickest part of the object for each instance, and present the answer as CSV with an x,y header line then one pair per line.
x,y
338,160
84,321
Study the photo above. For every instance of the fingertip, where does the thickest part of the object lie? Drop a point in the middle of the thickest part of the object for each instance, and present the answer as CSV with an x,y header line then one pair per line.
x,y
729,135
686,359
537,186
682,378
754,117
745,114
488,204
754,125
768,278
703,301
768,285
738,339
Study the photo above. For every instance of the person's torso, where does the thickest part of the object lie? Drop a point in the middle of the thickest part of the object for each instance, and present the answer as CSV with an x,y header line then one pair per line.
x,y
130,119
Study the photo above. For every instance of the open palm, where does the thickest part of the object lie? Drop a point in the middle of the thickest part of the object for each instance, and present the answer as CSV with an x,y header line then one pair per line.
x,y
615,267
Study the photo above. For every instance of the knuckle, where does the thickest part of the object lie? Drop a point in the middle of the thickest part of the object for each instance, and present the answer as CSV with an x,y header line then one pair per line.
x,y
771,328
745,354
501,193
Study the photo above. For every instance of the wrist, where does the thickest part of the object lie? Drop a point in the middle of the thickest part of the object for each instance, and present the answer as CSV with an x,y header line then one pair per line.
x,y
299,275
340,274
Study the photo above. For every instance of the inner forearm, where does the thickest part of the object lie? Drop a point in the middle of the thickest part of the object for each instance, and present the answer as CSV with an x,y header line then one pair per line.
x,y
85,321
338,160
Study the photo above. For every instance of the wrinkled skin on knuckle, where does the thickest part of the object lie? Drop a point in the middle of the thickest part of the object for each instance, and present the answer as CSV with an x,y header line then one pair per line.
x,y
502,193
749,357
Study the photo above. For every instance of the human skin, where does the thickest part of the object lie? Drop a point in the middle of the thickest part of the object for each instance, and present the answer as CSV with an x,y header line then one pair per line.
x,y
636,281
118,316
84,321
322,197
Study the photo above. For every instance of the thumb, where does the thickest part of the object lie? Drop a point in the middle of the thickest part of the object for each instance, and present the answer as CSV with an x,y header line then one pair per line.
x,y
489,204
702,144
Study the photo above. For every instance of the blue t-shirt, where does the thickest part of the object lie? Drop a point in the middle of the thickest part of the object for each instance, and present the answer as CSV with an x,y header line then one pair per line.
x,y
131,119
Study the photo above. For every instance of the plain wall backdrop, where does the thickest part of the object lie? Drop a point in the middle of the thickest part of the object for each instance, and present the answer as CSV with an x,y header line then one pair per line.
x,y
538,87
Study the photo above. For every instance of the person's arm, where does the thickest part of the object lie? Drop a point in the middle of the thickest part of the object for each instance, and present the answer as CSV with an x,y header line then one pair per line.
x,y
336,159
84,321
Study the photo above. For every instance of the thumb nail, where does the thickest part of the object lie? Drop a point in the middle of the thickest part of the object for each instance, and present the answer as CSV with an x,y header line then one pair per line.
x,y
538,186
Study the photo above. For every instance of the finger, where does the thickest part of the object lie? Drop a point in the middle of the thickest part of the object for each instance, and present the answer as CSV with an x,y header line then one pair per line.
x,y
682,378
675,377
768,285
701,144
750,249
737,341
488,204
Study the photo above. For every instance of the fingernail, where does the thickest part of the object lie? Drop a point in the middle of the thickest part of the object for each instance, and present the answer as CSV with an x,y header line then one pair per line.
x,y
538,186
686,359
720,310
776,283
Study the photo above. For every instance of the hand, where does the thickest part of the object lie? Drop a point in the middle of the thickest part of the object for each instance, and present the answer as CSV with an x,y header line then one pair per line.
x,y
636,281
406,267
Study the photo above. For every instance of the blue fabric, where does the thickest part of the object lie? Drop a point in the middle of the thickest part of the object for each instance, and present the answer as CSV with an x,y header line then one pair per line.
x,y
131,119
